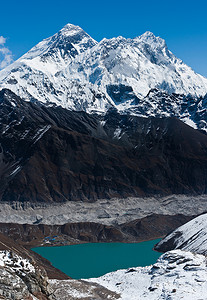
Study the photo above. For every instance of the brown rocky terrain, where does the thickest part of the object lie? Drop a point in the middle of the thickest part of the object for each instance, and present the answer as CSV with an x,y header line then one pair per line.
x,y
81,290
22,279
148,228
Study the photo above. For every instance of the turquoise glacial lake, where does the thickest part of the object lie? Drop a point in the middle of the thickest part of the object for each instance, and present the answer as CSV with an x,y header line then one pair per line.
x,y
95,259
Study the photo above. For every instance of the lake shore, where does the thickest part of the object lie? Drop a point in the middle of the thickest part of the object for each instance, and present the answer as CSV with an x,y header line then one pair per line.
x,y
138,230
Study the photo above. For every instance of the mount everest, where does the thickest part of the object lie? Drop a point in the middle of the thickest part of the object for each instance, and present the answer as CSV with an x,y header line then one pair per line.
x,y
139,76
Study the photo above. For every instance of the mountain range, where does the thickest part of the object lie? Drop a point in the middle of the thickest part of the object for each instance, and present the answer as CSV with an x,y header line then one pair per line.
x,y
139,76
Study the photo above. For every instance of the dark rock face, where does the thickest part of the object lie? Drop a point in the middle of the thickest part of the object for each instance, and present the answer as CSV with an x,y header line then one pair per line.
x,y
154,226
121,93
170,245
52,154
189,237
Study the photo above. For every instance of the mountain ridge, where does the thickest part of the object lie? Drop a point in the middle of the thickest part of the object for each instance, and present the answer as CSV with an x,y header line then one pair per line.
x,y
52,154
74,71
189,237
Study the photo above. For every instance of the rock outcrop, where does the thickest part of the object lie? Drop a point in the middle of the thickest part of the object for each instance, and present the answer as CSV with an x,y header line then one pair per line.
x,y
11,245
20,279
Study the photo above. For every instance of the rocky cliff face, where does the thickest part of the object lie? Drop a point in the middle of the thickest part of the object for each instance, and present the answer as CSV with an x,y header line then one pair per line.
x,y
51,154
9,243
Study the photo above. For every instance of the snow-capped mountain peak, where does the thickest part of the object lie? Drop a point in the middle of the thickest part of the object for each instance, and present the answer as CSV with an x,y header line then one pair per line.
x,y
70,29
68,34
72,70
149,38
56,52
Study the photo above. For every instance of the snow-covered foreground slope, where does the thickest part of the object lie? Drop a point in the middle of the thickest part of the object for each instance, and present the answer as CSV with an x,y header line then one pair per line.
x,y
176,275
192,236
72,70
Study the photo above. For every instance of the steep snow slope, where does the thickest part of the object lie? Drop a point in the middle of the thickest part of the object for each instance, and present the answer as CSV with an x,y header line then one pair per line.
x,y
32,76
192,236
56,52
142,63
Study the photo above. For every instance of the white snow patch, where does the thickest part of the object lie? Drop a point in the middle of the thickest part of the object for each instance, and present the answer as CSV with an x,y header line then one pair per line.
x,y
189,122
15,171
117,133
15,261
40,133
176,275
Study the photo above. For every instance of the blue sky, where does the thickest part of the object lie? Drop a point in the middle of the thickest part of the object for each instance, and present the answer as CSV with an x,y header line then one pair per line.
x,y
181,23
